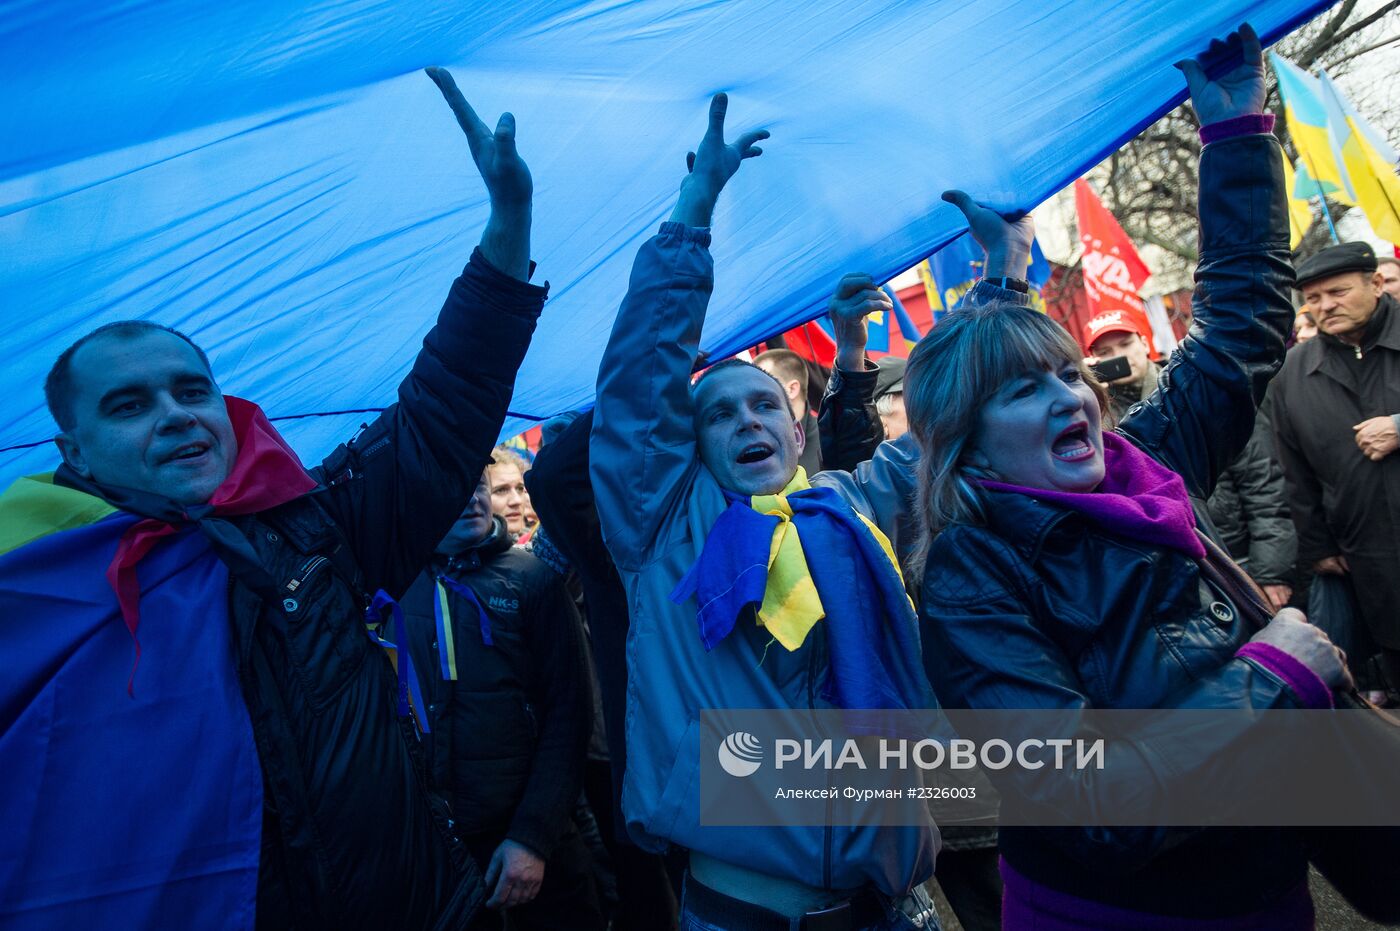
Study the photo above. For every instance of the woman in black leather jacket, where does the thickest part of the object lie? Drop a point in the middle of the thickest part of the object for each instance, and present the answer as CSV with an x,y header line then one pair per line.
x,y
1061,562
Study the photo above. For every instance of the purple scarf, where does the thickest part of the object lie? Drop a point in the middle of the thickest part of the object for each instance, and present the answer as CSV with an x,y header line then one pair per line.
x,y
1139,498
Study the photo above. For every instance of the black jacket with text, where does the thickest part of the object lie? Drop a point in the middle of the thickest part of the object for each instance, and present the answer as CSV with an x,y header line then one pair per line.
x,y
509,735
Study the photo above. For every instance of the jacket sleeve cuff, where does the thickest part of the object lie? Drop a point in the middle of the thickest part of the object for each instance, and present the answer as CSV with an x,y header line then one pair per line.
x,y
525,829
852,388
1301,680
695,234
500,283
1245,125
984,292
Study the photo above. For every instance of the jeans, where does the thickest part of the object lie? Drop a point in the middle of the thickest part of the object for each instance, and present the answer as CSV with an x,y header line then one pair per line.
x,y
913,912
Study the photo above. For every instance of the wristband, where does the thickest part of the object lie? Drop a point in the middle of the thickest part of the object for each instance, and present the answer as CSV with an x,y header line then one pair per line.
x,y
1248,124
1010,284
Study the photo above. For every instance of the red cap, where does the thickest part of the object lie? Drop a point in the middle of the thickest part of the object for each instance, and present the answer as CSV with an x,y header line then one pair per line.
x,y
1110,321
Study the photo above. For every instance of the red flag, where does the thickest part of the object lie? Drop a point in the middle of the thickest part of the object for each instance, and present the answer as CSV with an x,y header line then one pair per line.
x,y
1113,271
812,343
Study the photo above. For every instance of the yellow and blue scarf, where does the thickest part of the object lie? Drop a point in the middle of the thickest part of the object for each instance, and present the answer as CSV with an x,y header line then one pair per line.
x,y
797,557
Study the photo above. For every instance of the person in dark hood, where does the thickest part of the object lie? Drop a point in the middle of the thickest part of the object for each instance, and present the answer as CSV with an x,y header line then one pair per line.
x,y
499,646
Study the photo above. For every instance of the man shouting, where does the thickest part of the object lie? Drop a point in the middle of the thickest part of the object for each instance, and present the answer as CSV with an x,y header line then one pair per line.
x,y
197,731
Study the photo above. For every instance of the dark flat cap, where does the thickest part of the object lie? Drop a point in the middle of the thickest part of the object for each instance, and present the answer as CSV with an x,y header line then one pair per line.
x,y
891,377
1337,260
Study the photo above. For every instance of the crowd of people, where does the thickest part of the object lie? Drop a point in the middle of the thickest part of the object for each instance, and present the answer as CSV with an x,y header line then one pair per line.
x,y
516,741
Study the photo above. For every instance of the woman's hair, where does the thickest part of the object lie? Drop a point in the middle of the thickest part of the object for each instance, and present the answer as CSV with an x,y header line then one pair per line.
x,y
505,456
952,372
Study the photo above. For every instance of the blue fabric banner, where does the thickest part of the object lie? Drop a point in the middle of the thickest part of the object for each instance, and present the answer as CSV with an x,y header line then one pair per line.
x,y
282,182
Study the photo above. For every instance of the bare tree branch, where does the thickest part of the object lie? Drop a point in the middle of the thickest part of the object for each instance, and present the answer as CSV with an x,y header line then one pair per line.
x,y
1326,37
1151,183
1359,25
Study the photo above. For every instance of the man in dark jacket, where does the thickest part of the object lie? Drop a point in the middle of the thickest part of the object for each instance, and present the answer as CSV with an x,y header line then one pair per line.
x,y
336,828
1336,407
499,644
1249,509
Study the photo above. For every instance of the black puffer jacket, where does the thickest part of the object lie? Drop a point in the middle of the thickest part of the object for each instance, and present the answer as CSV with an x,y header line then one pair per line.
x,y
1038,609
352,838
1250,510
510,733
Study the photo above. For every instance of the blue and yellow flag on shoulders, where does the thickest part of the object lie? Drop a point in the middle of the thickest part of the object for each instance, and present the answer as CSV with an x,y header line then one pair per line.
x,y
119,810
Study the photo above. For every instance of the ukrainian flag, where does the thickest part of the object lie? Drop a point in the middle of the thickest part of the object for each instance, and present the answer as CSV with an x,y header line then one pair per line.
x,y
1369,162
1308,124
1299,213
951,272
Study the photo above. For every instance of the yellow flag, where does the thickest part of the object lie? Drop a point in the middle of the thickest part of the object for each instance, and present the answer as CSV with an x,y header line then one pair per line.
x,y
930,286
1369,161
1306,113
1299,213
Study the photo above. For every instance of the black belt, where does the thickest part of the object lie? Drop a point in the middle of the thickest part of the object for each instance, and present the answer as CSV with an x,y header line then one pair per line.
x,y
863,910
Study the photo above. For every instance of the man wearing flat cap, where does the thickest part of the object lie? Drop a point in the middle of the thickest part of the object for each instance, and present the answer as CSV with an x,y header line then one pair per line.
x,y
889,396
1336,413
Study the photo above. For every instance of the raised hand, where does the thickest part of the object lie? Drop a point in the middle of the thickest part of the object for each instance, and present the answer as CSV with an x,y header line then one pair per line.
x,y
857,296
506,240
1007,241
1227,79
711,166
504,171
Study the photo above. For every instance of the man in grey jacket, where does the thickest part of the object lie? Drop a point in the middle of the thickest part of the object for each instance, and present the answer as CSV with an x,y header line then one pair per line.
x,y
665,463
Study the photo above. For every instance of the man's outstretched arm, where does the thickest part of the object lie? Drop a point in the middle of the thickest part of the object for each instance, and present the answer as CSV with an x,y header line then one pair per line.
x,y
397,488
643,445
848,425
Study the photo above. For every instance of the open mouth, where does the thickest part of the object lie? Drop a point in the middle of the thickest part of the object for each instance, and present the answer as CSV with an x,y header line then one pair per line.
x,y
1072,445
754,452
188,452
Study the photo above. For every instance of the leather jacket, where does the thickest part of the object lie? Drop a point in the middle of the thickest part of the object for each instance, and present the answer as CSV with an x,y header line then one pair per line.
x,y
1036,608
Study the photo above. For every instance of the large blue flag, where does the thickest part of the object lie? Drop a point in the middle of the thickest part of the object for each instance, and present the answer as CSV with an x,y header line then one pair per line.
x,y
282,181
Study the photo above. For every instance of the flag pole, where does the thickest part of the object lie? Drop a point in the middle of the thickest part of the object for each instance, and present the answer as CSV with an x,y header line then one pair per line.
x,y
1326,214
1322,199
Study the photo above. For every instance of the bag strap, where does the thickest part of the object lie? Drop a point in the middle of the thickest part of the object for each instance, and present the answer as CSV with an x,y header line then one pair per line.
x,y
1226,575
